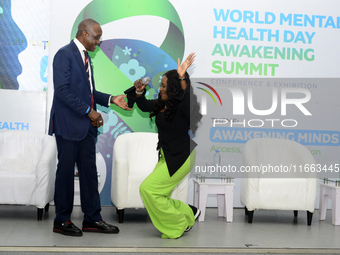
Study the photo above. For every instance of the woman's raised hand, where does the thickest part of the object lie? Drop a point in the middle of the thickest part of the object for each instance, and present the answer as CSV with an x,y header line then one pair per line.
x,y
139,85
182,68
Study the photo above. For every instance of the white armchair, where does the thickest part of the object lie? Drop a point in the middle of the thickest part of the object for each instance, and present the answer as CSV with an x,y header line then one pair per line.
x,y
134,158
279,190
27,169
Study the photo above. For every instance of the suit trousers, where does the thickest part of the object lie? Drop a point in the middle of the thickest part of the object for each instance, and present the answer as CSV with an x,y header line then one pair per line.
x,y
170,216
83,153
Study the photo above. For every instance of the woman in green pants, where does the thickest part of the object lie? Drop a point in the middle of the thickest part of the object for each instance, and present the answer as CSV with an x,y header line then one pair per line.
x,y
176,111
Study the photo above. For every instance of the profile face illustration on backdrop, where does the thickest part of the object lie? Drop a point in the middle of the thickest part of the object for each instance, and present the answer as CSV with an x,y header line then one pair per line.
x,y
122,59
12,42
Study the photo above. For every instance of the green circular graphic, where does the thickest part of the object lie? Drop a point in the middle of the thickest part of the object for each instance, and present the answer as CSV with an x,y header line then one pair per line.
x,y
104,12
109,78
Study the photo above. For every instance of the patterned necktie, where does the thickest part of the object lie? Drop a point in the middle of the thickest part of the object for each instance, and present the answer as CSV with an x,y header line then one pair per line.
x,y
88,74
87,63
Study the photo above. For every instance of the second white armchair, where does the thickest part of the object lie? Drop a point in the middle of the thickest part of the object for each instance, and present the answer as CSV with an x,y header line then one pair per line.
x,y
278,190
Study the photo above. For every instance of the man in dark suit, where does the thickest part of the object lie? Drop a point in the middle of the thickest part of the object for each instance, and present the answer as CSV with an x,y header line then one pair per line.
x,y
74,120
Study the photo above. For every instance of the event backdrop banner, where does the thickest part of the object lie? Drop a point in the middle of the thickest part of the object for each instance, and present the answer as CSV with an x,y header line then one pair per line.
x,y
268,68
22,110
24,48
24,41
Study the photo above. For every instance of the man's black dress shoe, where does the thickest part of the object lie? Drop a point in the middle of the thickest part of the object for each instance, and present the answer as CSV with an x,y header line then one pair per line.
x,y
66,228
99,227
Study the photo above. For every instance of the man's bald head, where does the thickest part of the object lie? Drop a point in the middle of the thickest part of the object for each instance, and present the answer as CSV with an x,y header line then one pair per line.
x,y
89,34
86,25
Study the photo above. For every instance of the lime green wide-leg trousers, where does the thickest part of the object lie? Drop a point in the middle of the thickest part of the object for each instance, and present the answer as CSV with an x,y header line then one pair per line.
x,y
170,216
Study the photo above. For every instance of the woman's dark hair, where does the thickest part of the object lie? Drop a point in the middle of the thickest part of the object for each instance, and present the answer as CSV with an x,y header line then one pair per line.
x,y
173,87
195,115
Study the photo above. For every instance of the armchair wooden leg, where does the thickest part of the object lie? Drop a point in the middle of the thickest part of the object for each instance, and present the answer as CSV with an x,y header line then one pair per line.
x,y
245,210
309,218
47,207
40,213
295,213
120,213
250,216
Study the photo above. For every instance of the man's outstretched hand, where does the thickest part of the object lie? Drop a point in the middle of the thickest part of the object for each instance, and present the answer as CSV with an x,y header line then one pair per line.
x,y
120,101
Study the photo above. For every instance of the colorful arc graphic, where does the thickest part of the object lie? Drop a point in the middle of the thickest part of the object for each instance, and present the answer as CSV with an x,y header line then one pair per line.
x,y
208,94
213,90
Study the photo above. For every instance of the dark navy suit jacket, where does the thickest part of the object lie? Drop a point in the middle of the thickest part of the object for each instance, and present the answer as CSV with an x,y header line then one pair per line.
x,y
72,95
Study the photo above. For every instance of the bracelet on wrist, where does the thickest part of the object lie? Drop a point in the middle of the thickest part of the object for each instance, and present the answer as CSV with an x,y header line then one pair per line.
x,y
181,79
88,109
139,93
